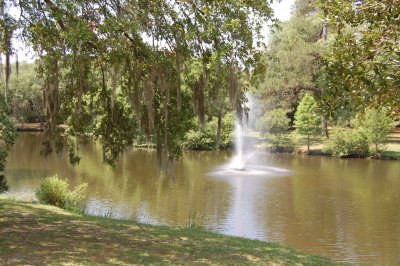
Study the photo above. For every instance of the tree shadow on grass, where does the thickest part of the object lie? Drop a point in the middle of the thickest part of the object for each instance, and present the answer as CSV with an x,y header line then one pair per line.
x,y
37,234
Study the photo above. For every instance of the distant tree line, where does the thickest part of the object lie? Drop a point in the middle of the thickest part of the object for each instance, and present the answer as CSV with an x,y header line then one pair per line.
x,y
332,64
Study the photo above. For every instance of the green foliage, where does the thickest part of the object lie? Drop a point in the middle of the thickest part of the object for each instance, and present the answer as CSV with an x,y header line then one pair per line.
x,y
8,133
362,62
288,142
111,67
180,122
347,143
371,128
274,122
274,126
116,133
290,64
307,119
376,125
25,95
55,191
204,138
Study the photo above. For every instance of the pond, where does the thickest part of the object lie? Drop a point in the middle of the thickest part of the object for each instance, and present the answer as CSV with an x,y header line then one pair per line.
x,y
346,209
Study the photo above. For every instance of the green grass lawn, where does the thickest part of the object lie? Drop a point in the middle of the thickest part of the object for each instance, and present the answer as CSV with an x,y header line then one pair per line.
x,y
36,234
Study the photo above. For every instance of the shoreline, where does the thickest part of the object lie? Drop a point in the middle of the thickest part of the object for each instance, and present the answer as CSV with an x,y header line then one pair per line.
x,y
36,233
388,155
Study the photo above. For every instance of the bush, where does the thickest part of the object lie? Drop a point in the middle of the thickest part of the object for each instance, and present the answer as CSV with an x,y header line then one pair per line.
x,y
274,126
274,122
55,191
348,143
205,138
283,143
376,125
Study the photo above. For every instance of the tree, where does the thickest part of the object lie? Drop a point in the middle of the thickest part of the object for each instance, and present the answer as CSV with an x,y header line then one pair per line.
x,y
307,118
362,62
25,94
376,124
108,66
290,65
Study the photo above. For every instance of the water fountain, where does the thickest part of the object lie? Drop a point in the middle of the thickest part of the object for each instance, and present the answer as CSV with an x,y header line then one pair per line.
x,y
243,162
238,161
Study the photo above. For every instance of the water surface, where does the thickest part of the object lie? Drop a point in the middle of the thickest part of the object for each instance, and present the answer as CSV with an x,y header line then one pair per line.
x,y
344,209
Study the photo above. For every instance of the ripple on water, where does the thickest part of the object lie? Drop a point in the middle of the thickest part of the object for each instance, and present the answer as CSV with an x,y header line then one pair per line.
x,y
250,170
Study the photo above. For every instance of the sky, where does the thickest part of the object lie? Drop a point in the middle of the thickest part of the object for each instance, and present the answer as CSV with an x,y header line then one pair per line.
x,y
282,12
283,9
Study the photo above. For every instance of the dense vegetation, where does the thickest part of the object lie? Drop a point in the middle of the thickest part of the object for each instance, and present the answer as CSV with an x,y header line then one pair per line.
x,y
176,73
346,56
109,67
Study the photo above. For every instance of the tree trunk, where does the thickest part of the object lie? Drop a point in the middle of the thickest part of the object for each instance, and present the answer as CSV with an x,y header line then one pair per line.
x,y
41,120
325,32
219,127
308,144
325,127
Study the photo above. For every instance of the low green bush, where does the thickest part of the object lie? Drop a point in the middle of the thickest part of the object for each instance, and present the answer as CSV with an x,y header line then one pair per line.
x,y
347,143
205,138
274,122
55,191
376,125
274,127
288,142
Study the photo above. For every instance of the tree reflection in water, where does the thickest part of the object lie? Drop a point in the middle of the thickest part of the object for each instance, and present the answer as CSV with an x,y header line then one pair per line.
x,y
3,184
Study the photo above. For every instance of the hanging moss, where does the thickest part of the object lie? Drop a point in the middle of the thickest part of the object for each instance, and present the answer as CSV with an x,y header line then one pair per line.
x,y
1,67
199,99
178,66
52,137
16,65
97,66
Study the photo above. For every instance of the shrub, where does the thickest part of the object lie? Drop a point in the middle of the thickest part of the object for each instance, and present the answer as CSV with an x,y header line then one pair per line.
x,y
376,125
283,143
348,143
274,122
55,191
205,138
274,126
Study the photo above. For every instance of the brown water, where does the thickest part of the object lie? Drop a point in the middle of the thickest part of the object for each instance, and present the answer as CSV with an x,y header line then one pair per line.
x,y
344,209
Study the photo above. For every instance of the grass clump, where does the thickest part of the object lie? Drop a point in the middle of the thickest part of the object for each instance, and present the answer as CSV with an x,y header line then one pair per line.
x,y
55,191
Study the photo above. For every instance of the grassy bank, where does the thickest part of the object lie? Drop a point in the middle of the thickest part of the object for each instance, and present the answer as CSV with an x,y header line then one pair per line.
x,y
392,151
36,234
